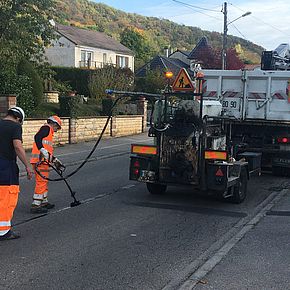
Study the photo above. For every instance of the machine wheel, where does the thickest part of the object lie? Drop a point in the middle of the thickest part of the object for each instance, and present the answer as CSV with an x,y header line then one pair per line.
x,y
240,189
155,188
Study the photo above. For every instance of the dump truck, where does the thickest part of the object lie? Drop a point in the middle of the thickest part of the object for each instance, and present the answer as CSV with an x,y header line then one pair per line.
x,y
258,104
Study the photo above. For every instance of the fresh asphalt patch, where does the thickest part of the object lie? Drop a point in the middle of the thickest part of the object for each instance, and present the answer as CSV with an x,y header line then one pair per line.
x,y
185,208
82,202
278,213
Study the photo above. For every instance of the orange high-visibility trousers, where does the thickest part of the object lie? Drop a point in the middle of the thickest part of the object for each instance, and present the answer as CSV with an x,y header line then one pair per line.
x,y
41,184
8,202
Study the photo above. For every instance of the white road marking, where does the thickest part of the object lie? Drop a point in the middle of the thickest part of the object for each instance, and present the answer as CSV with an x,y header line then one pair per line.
x,y
128,186
82,202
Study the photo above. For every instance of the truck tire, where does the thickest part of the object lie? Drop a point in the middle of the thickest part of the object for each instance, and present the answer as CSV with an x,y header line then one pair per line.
x,y
240,189
155,188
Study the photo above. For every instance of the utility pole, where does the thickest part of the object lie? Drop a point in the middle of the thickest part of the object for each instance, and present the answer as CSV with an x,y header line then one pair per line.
x,y
225,35
225,38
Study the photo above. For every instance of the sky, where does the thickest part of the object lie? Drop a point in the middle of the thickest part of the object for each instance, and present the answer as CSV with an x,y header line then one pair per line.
x,y
268,25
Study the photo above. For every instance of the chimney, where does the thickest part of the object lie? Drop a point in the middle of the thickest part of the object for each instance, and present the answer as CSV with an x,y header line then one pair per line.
x,y
166,51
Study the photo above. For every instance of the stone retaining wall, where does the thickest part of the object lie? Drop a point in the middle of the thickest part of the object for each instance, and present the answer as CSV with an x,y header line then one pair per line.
x,y
85,129
51,97
90,128
82,129
126,125
30,128
6,102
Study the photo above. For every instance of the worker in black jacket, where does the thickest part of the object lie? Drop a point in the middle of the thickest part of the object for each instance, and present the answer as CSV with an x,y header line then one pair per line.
x,y
10,148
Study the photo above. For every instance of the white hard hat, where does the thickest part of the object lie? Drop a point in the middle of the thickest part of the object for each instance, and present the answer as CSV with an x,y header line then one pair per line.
x,y
19,111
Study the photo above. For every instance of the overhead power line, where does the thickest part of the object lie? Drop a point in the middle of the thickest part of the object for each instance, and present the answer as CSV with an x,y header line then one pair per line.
x,y
239,32
193,7
258,19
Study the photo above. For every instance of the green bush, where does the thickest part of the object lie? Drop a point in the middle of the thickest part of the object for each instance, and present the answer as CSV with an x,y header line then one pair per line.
x,y
153,82
88,110
11,83
109,77
92,101
75,78
73,107
69,105
26,68
107,107
62,87
44,110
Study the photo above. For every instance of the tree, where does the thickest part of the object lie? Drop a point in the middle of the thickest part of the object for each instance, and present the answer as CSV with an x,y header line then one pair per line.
x,y
153,82
133,39
24,30
26,68
209,58
109,77
21,86
233,60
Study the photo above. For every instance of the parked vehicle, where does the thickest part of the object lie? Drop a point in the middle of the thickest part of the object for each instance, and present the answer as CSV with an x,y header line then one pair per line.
x,y
258,103
277,59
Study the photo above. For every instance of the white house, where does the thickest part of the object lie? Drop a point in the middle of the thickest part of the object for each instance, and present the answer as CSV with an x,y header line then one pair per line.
x,y
84,48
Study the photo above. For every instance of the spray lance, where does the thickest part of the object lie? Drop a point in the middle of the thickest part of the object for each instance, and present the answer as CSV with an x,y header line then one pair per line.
x,y
57,166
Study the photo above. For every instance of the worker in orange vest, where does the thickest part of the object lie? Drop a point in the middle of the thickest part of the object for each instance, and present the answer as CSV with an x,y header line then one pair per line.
x,y
10,148
43,149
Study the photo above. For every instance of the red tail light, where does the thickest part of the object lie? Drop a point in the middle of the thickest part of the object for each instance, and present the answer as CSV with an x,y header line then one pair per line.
x,y
136,163
136,171
283,140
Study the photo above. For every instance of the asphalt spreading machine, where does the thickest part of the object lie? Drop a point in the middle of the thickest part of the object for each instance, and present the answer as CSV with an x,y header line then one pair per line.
x,y
191,146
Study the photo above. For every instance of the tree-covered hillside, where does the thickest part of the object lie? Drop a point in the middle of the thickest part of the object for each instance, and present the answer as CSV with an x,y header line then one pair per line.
x,y
153,33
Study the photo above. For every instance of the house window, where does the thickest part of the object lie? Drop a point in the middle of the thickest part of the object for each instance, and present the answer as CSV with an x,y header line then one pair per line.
x,y
86,58
122,61
104,58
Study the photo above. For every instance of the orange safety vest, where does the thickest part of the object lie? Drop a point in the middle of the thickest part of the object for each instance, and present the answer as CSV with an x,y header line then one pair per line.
x,y
47,143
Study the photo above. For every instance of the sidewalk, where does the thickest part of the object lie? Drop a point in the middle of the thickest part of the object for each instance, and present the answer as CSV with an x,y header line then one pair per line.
x,y
261,260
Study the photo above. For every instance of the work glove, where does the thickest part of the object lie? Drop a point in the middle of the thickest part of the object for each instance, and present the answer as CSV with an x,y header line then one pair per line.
x,y
58,164
44,153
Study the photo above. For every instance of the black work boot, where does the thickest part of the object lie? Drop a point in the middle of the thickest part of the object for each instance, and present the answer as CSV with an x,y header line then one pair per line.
x,y
10,236
47,205
38,209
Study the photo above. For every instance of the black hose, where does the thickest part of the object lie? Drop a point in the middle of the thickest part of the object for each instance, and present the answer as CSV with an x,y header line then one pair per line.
x,y
63,178
59,172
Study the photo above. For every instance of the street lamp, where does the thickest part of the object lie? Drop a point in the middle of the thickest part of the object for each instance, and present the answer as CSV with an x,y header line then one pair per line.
x,y
225,37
